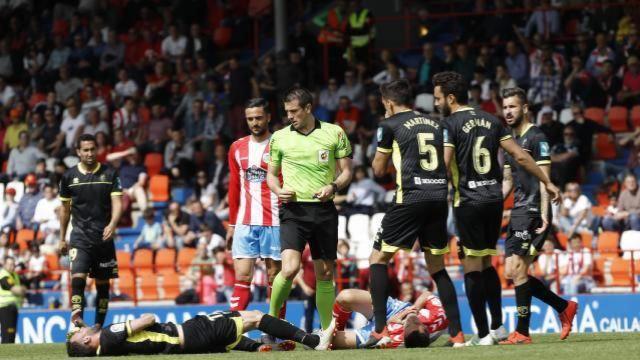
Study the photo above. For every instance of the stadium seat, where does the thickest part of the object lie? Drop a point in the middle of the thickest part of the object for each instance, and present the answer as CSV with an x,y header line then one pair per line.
x,y
587,240
361,242
563,239
598,210
124,284
165,261
154,163
630,241
159,188
618,119
342,227
147,287
24,237
566,115
608,242
53,266
124,260
605,147
595,113
635,116
181,194
170,288
424,102
620,272
143,261
185,257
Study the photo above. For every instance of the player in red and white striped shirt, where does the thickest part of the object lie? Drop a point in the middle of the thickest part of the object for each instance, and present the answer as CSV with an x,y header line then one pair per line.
x,y
253,209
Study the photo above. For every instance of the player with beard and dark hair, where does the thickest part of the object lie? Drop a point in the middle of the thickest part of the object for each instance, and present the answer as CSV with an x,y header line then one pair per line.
x,y
530,217
472,139
254,226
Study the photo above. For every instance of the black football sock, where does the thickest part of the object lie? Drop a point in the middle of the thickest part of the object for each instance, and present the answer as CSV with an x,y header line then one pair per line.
x,y
474,287
547,296
246,344
523,303
449,299
77,294
379,280
286,331
102,302
493,294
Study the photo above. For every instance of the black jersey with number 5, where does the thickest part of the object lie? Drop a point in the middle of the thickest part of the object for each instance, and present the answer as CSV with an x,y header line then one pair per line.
x,y
475,171
416,146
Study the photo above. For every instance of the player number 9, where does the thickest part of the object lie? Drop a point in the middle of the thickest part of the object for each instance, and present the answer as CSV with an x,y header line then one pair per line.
x,y
430,163
481,157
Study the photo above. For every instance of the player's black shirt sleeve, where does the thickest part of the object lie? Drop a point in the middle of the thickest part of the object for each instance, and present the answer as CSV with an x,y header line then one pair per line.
x,y
112,339
385,138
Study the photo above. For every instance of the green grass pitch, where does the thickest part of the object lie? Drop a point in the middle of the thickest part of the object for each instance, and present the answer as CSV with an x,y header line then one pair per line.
x,y
602,346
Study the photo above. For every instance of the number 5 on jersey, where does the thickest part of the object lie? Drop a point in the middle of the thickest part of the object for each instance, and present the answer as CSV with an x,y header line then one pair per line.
x,y
430,162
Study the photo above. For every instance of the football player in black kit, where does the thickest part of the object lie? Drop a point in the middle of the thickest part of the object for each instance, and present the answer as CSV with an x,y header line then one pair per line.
x,y
472,139
414,142
214,333
530,218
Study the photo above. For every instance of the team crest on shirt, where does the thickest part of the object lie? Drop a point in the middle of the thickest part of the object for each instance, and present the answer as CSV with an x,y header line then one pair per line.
x,y
544,148
323,156
75,180
103,177
255,174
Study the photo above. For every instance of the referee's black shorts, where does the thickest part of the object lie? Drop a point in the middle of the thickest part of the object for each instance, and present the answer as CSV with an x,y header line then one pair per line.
x,y
479,228
314,223
99,261
404,223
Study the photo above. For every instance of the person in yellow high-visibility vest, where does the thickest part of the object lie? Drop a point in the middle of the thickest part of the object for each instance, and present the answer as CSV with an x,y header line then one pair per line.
x,y
361,32
11,295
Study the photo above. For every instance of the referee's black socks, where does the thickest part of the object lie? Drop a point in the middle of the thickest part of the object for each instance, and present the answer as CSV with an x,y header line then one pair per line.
x,y
447,293
77,294
474,286
379,280
102,302
284,330
493,294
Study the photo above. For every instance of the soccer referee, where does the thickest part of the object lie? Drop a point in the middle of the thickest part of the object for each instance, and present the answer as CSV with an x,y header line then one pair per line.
x,y
92,196
308,153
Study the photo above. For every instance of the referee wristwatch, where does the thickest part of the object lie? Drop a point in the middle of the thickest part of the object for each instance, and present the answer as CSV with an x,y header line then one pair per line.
x,y
335,188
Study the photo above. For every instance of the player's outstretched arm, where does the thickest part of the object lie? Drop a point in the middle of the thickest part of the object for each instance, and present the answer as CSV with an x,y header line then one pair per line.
x,y
526,161
141,323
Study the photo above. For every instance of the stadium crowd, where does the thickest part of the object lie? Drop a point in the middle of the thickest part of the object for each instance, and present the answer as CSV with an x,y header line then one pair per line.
x,y
163,86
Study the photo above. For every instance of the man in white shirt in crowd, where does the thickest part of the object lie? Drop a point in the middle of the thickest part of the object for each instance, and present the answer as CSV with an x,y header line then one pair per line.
x,y
174,46
575,211
576,266
125,87
45,213
72,125
23,158
95,124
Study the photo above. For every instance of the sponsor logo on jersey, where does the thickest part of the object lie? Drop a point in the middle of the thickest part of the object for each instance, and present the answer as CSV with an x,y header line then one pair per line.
x,y
544,148
108,264
323,156
420,181
255,174
475,184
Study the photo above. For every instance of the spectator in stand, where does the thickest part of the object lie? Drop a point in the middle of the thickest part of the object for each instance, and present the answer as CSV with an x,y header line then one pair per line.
x,y
175,225
329,98
133,176
27,204
93,101
516,62
178,156
585,129
204,190
628,215
198,43
59,55
580,84
364,193
36,269
8,211
503,78
12,132
151,234
576,266
551,128
224,274
126,118
630,94
480,79
565,158
575,211
125,87
632,141
7,94
194,124
547,263
174,46
544,88
599,55
44,214
242,85
72,124
348,118
6,63
348,273
219,170
201,272
200,216
464,63
353,89
391,72
66,86
23,158
430,65
545,19
185,109
95,124
215,127
609,84
81,57
112,55
156,130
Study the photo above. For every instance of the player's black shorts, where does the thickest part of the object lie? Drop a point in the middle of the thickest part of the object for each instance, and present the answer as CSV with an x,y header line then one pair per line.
x,y
522,239
404,223
312,223
479,228
97,261
217,332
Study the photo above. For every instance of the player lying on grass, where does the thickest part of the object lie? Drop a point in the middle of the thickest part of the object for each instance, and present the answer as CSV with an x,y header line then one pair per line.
x,y
411,325
214,333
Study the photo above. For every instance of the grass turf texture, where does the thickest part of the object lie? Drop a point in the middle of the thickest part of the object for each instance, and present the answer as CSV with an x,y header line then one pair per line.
x,y
545,347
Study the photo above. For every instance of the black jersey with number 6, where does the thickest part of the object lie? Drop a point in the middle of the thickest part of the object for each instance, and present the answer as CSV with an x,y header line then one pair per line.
x,y
416,146
475,171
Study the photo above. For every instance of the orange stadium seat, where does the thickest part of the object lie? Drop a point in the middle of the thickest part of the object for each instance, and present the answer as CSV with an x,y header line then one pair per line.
x,y
24,237
124,284
143,261
618,117
563,239
154,163
608,243
124,260
587,240
635,116
165,261
147,287
605,147
595,113
621,272
598,210
159,188
185,257
53,266
170,285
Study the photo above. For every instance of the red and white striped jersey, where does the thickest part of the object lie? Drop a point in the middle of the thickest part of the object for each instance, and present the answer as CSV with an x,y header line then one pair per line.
x,y
250,200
